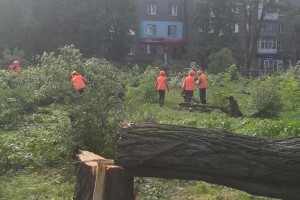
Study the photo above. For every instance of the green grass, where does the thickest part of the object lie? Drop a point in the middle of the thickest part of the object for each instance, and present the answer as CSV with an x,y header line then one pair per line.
x,y
37,186
39,167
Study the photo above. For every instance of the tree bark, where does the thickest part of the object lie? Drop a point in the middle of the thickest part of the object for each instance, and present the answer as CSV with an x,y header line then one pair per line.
x,y
259,166
232,110
98,178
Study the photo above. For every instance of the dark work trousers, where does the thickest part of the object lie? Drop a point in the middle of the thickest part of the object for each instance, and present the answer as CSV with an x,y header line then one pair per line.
x,y
161,97
188,96
202,93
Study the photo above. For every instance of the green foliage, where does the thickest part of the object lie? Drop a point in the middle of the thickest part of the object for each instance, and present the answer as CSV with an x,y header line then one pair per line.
x,y
38,144
97,114
145,92
216,29
220,61
102,32
294,71
222,85
265,97
11,55
50,185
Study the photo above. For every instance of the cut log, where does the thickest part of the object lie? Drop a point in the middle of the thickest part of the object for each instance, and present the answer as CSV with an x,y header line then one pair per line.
x,y
258,166
99,179
232,110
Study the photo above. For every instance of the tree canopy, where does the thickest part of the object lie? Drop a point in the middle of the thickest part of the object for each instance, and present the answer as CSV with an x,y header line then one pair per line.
x,y
95,27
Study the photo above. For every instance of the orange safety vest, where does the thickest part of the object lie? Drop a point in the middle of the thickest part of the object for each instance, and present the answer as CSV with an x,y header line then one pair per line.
x,y
18,69
189,83
11,68
78,82
202,80
161,83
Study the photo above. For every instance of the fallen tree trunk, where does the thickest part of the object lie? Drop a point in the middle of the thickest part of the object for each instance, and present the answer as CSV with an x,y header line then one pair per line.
x,y
232,110
256,165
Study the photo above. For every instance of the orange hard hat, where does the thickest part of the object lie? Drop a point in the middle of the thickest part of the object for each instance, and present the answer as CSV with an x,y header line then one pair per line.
x,y
192,72
199,72
16,62
162,73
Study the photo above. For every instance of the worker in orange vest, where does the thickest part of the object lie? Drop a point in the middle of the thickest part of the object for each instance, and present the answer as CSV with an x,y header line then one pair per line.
x,y
161,86
78,82
202,85
15,67
188,86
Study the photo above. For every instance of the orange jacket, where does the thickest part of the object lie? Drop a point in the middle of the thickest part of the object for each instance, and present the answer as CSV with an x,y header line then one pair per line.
x,y
18,69
161,83
11,68
202,81
14,68
78,82
188,83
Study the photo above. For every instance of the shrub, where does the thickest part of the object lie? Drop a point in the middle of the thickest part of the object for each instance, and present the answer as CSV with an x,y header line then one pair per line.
x,y
145,91
265,97
97,114
220,61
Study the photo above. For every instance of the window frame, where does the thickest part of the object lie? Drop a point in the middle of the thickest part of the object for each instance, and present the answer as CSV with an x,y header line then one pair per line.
x,y
151,9
154,30
171,8
170,30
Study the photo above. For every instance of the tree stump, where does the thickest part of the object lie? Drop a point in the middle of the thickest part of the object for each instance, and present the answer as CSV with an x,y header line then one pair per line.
x,y
259,166
99,179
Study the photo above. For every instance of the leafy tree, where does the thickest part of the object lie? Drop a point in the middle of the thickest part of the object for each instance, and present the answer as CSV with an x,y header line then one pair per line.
x,y
9,56
220,61
215,20
254,12
98,28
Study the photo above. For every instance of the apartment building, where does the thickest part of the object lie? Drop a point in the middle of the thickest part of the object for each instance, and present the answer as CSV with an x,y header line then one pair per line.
x,y
160,34
278,41
165,32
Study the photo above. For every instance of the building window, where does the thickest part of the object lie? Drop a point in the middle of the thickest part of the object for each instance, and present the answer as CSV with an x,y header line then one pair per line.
x,y
172,10
236,28
172,30
279,46
280,28
151,9
131,50
267,44
151,29
280,12
268,27
266,63
150,49
292,46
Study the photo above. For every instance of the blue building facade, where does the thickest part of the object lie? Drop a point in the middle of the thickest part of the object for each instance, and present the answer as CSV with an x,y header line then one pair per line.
x,y
161,32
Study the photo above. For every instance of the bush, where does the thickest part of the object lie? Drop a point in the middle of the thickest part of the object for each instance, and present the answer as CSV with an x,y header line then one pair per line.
x,y
97,114
265,97
145,92
220,61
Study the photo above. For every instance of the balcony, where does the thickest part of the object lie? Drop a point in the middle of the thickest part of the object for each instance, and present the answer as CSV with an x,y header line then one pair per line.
x,y
267,51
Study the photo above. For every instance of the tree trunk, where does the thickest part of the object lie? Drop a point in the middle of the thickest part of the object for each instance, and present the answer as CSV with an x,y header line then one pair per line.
x,y
233,109
256,165
99,179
